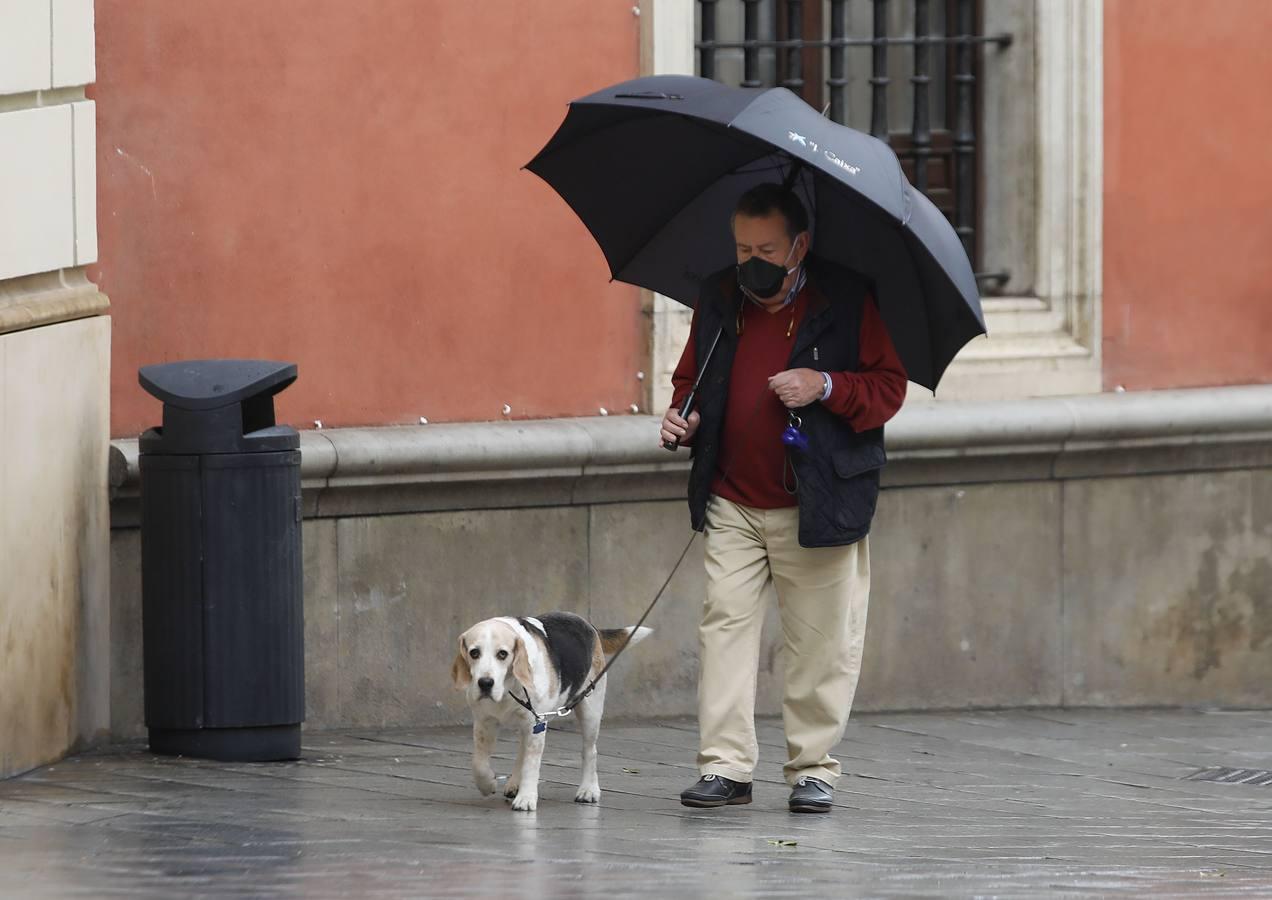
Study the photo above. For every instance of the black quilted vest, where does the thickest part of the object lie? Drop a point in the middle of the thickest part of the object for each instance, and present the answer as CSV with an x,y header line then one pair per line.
x,y
838,476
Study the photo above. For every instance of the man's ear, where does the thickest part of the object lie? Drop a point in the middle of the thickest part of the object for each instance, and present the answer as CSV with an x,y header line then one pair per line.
x,y
521,665
460,673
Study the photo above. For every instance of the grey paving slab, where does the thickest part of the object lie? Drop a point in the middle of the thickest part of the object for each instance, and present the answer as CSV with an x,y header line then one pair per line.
x,y
1013,804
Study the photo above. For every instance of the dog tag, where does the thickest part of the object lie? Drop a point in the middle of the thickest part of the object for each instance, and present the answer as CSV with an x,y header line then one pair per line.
x,y
539,727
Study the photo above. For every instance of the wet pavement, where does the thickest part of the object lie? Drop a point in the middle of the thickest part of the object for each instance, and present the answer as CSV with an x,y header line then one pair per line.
x,y
1011,804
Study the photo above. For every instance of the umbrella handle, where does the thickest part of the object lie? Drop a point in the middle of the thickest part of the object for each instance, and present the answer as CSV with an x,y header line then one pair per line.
x,y
687,407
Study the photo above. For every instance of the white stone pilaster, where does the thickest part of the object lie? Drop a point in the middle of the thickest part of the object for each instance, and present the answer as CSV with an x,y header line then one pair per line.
x,y
54,391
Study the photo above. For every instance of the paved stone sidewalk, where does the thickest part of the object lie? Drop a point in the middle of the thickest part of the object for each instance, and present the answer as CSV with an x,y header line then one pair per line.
x,y
1038,803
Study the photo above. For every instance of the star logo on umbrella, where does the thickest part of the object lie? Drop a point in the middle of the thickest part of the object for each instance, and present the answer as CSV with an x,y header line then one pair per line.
x,y
802,141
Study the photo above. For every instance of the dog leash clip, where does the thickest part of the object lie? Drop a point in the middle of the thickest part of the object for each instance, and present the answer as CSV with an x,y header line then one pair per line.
x,y
540,725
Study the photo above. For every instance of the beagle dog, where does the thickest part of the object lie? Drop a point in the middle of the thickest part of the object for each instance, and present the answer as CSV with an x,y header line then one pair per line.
x,y
543,661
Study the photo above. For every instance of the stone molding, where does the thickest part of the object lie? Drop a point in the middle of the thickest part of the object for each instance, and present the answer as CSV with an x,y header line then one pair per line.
x,y
50,297
377,471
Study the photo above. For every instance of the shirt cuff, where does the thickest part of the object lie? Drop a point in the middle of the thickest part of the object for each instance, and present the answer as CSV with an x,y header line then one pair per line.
x,y
829,387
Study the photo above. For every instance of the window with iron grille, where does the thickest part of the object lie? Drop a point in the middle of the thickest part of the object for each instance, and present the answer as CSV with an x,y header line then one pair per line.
x,y
907,71
1035,154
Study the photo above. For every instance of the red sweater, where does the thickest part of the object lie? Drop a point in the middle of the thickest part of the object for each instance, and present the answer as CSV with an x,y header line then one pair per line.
x,y
750,466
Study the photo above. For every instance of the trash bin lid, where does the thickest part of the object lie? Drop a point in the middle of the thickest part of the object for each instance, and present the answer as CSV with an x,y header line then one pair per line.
x,y
199,384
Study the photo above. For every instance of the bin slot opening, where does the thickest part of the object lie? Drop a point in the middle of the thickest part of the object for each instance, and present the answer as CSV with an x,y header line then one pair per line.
x,y
258,413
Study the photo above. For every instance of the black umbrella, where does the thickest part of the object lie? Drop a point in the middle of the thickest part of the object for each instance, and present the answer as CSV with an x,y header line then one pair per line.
x,y
654,167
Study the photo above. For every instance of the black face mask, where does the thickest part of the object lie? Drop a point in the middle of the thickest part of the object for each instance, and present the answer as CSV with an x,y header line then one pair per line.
x,y
763,278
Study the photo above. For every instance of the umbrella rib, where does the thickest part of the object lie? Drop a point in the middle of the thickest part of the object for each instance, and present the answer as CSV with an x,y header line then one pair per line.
x,y
714,128
653,113
614,270
548,153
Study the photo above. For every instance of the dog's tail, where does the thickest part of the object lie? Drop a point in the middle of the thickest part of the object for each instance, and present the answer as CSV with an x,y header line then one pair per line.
x,y
614,638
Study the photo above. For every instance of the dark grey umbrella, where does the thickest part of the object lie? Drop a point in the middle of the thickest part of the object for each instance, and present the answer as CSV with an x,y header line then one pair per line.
x,y
654,167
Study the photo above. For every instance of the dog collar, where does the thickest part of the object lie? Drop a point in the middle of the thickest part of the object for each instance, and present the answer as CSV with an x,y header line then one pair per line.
x,y
540,719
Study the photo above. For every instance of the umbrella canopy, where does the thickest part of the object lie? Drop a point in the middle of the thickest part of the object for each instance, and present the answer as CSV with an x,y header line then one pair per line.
x,y
655,166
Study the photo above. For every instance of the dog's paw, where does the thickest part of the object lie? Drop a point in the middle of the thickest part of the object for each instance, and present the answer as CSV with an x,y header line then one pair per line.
x,y
511,789
485,782
588,793
526,802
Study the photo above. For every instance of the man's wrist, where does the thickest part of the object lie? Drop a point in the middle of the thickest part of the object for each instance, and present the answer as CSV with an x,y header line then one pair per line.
x,y
827,387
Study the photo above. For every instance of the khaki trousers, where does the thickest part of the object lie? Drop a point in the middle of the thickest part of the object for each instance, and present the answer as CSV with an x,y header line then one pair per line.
x,y
822,597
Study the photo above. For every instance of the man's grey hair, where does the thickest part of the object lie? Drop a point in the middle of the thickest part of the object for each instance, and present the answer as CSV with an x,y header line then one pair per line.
x,y
768,198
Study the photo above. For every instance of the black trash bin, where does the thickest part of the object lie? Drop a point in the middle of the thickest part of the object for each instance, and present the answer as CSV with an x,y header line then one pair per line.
x,y
221,568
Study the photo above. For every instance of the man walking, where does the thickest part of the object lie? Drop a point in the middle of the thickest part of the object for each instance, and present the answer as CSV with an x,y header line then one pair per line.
x,y
801,344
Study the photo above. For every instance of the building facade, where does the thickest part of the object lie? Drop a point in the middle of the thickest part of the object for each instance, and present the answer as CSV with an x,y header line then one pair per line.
x,y
1080,516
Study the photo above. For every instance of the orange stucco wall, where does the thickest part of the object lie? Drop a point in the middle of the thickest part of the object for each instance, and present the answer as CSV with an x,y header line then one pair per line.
x,y
337,184
1187,193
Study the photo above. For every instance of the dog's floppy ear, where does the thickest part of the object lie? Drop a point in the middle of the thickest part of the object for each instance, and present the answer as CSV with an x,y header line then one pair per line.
x,y
521,664
460,673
